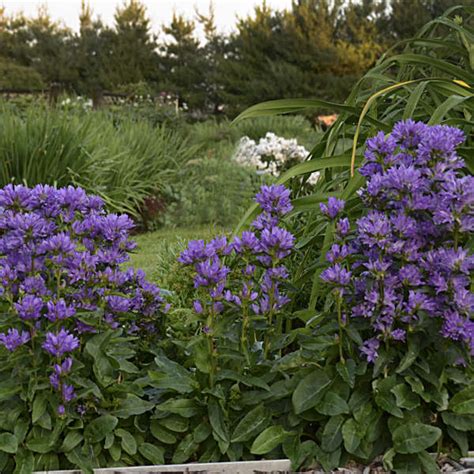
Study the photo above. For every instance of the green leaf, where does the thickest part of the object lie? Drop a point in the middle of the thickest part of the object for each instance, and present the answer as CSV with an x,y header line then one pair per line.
x,y
428,462
414,437
463,402
384,398
410,355
132,405
98,429
351,434
460,422
332,433
8,443
175,423
153,453
310,390
332,404
288,106
39,407
460,437
72,439
129,445
162,434
407,464
347,371
115,451
450,103
269,439
172,376
25,462
201,432
405,397
216,418
41,445
182,406
252,423
184,450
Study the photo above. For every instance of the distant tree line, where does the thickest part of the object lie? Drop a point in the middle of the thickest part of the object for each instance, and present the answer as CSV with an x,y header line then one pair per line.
x,y
314,48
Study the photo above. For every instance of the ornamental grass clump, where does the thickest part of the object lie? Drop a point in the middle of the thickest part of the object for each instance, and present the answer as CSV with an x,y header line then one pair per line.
x,y
69,312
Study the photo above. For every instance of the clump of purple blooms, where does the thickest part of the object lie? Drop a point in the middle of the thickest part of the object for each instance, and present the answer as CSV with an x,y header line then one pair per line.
x,y
407,265
60,260
245,273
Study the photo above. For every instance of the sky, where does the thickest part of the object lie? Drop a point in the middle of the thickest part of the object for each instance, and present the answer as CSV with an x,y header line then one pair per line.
x,y
160,11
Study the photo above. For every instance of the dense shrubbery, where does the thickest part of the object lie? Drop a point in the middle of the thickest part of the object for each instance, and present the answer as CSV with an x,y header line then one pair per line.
x,y
237,376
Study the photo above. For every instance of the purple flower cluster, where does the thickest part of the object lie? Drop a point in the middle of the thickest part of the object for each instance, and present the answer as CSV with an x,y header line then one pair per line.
x,y
247,271
61,255
406,264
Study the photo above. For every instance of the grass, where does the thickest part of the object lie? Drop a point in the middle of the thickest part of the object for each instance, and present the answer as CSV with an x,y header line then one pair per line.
x,y
157,251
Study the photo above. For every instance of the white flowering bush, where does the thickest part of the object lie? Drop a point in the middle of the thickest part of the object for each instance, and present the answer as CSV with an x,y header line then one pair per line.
x,y
271,155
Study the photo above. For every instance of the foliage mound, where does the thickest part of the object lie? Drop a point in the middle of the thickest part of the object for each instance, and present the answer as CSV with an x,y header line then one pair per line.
x,y
69,319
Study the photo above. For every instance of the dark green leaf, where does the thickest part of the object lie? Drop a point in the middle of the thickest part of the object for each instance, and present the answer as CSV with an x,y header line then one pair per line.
x,y
269,439
347,371
405,397
460,422
162,434
182,406
310,391
129,444
132,405
218,423
39,407
461,439
351,435
252,423
8,443
25,462
332,433
332,404
412,437
463,402
98,429
72,439
153,453
175,423
184,450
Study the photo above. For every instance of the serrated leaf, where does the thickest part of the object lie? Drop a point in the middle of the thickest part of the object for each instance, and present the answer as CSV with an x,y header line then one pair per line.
x,y
410,438
269,439
310,391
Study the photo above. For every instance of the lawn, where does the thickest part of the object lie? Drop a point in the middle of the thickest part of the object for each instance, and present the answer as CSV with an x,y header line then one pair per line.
x,y
157,250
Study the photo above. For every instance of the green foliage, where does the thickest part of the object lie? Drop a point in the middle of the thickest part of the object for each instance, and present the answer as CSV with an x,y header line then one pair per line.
x,y
13,76
125,163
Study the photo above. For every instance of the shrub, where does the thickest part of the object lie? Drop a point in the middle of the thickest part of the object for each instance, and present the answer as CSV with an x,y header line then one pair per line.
x,y
224,359
400,280
68,375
